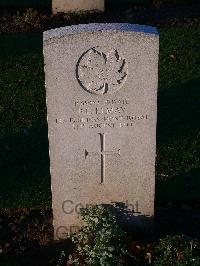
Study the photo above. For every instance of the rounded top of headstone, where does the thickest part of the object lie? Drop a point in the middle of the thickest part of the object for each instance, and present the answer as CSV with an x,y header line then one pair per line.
x,y
93,27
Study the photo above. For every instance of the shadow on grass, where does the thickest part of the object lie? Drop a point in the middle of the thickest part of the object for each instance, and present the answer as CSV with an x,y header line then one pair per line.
x,y
37,255
178,144
24,170
15,46
178,111
178,160
27,239
183,189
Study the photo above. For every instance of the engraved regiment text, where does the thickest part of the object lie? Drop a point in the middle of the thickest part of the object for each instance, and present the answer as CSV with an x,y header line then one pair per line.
x,y
99,114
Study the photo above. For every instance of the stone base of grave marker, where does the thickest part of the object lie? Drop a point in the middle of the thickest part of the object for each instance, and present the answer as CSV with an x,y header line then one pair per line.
x,y
64,6
101,85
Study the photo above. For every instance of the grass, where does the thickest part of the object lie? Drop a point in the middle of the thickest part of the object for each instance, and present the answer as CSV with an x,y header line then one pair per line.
x,y
24,163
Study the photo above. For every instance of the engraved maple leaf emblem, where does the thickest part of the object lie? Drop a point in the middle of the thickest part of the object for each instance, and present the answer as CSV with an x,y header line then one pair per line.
x,y
100,72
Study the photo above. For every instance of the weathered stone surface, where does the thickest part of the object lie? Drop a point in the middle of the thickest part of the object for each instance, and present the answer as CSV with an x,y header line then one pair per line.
x,y
101,85
76,5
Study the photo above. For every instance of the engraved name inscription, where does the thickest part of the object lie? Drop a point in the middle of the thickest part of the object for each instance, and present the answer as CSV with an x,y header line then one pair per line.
x,y
101,114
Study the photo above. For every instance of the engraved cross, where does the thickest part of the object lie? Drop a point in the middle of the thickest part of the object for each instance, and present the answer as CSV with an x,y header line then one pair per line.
x,y
103,154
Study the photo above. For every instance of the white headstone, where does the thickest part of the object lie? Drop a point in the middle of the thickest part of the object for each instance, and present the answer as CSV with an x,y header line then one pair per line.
x,y
76,5
101,86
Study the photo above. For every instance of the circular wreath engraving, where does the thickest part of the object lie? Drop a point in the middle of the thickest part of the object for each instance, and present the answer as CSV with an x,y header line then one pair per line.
x,y
101,70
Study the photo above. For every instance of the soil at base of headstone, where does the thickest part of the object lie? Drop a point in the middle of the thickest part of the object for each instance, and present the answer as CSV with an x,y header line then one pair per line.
x,y
32,20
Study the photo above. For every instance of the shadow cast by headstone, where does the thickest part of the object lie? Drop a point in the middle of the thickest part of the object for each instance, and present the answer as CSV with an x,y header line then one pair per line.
x,y
142,226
